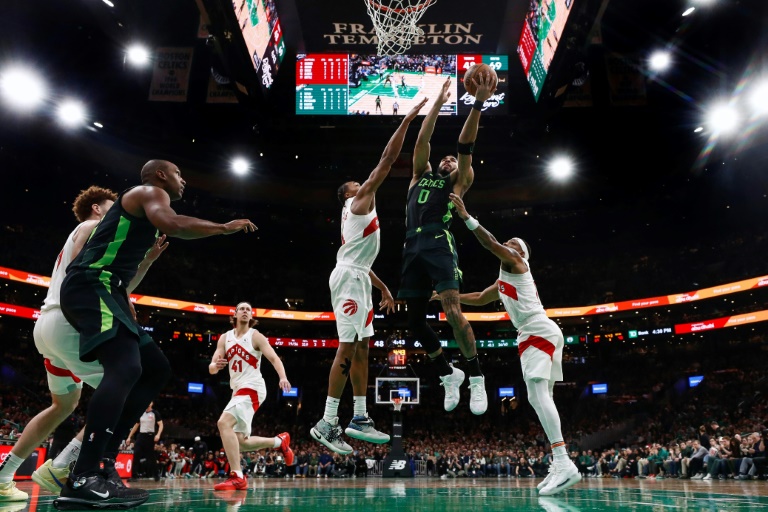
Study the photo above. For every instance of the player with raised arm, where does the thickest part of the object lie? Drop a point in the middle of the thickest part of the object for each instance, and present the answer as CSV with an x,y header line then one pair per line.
x,y
351,296
430,261
540,341
241,349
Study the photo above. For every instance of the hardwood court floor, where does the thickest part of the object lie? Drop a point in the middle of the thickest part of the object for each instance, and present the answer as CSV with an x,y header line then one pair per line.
x,y
432,494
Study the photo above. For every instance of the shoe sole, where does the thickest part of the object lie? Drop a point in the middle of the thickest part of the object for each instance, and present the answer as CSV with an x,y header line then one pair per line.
x,y
46,484
80,504
478,413
320,439
565,485
362,436
543,484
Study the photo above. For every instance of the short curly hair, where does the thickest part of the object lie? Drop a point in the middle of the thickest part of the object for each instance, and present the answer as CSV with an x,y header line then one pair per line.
x,y
87,198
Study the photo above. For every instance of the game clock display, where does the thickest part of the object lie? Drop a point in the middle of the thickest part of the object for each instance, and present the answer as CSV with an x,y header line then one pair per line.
x,y
351,84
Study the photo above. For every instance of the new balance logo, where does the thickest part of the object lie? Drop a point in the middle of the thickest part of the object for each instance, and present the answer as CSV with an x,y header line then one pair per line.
x,y
350,307
398,464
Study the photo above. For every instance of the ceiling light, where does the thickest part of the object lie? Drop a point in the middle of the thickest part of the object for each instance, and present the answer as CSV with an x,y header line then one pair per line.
x,y
22,88
137,55
71,113
240,166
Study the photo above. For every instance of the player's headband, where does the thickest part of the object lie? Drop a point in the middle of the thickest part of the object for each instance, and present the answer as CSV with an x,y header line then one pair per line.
x,y
524,254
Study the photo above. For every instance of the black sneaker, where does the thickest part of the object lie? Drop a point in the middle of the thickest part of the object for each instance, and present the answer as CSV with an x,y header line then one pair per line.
x,y
87,492
111,475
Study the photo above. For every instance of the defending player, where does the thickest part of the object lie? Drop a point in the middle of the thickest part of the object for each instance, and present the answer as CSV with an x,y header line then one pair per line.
x,y
540,341
241,349
350,284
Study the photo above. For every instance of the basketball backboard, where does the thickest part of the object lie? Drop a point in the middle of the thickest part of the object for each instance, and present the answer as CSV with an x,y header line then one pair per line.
x,y
406,388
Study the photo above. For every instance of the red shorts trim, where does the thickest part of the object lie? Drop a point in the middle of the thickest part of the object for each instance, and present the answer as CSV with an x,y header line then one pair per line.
x,y
539,343
59,372
251,393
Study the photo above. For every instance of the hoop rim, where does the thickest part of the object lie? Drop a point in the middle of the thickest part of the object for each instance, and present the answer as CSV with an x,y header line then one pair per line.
x,y
397,403
416,8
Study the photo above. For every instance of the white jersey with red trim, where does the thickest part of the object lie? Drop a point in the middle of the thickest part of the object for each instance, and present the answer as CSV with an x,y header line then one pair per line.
x,y
244,361
519,295
360,237
53,297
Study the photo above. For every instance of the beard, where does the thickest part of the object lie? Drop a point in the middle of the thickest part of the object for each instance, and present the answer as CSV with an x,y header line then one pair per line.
x,y
443,172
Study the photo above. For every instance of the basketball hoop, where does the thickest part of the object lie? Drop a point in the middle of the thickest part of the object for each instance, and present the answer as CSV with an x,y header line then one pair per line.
x,y
397,403
396,23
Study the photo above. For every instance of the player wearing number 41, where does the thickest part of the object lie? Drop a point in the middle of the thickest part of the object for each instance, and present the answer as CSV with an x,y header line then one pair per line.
x,y
540,341
430,261
351,296
241,349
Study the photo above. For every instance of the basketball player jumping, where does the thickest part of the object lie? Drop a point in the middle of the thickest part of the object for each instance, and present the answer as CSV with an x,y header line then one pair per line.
x,y
430,260
540,341
241,349
58,342
350,284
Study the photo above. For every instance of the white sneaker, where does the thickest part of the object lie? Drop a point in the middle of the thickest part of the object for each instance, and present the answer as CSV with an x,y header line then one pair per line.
x,y
566,475
50,478
363,428
478,399
329,434
9,493
452,383
550,474
708,477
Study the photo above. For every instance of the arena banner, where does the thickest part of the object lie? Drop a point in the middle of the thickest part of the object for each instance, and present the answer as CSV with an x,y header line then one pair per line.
x,y
450,26
124,464
494,316
170,78
34,461
307,343
20,311
720,323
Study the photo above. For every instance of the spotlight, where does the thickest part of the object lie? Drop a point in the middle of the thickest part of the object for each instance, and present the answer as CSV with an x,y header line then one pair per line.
x,y
22,88
71,113
240,166
137,55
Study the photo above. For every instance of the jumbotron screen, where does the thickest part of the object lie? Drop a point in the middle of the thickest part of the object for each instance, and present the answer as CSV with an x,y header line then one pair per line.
x,y
263,36
350,84
542,32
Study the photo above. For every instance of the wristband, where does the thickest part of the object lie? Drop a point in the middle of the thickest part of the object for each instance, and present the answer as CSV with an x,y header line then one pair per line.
x,y
478,105
465,149
471,223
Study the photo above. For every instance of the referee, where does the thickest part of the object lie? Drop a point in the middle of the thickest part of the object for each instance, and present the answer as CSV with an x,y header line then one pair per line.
x,y
150,428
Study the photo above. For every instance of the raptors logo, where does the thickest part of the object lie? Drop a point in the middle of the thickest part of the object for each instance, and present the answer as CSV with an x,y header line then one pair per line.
x,y
350,307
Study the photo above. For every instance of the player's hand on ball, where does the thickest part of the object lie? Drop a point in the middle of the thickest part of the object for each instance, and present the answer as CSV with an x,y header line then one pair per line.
x,y
459,204
485,86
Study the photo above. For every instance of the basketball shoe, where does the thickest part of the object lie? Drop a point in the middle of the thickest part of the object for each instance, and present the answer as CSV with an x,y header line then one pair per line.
x,y
362,428
285,447
452,382
233,483
94,492
478,399
566,475
111,475
50,478
329,434
550,474
9,493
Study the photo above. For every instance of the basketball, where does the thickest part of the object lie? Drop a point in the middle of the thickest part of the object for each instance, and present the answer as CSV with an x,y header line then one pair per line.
x,y
473,71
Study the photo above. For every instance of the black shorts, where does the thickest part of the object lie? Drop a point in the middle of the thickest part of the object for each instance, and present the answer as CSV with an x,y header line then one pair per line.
x,y
95,304
430,262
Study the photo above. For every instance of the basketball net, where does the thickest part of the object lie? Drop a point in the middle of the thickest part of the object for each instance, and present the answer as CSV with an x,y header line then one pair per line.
x,y
397,403
396,23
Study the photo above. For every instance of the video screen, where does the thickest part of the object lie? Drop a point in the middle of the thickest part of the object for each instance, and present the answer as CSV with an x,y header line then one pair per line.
x,y
291,392
695,380
194,387
508,392
542,31
353,84
263,36
599,389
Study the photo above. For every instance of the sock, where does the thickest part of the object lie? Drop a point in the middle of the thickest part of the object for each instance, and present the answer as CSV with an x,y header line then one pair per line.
x,y
441,364
68,455
239,474
473,366
8,467
278,442
331,409
360,406
559,451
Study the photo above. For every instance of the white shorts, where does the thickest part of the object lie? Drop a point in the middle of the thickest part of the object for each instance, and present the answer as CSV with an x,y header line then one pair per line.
x,y
352,303
59,343
243,407
540,343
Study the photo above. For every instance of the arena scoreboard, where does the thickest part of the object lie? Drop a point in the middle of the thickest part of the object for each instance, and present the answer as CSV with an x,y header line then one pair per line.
x,y
352,84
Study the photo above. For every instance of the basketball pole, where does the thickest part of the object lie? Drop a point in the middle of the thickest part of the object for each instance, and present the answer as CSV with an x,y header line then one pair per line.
x,y
396,464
